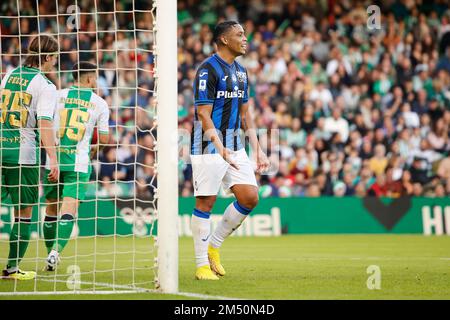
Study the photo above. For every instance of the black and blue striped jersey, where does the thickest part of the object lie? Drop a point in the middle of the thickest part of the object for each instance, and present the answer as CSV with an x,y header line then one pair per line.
x,y
225,87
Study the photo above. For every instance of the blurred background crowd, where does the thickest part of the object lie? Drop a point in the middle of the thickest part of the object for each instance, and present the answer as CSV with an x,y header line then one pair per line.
x,y
121,45
351,110
357,111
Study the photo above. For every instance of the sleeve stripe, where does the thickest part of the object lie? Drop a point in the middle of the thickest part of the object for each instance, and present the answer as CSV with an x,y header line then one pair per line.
x,y
45,118
103,132
204,100
203,104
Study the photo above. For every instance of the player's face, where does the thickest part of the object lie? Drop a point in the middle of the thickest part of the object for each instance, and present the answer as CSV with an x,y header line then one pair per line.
x,y
237,41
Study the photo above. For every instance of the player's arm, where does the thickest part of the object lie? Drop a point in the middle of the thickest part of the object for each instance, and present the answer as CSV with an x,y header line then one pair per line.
x,y
103,139
204,114
45,112
249,127
103,131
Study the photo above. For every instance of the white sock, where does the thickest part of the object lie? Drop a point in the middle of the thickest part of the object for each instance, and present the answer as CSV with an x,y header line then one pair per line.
x,y
201,231
12,269
233,217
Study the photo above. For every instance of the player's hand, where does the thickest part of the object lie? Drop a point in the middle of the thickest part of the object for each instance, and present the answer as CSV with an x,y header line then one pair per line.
x,y
227,156
53,176
93,152
262,162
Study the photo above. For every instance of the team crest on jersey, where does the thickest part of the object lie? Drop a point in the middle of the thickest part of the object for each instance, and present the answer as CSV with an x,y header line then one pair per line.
x,y
242,76
203,76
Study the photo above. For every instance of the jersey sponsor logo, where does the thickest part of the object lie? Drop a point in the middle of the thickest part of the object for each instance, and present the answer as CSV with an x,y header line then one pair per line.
x,y
12,140
230,94
224,78
67,151
202,85
202,73
242,76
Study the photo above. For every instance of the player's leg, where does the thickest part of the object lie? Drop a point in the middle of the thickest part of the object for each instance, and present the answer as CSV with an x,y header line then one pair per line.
x,y
243,184
52,195
22,185
66,221
246,199
207,172
50,223
201,231
74,190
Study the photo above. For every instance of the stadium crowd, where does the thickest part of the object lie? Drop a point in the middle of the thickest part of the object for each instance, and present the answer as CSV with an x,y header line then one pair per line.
x,y
354,111
358,111
125,62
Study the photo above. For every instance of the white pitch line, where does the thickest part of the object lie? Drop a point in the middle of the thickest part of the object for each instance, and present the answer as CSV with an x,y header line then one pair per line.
x,y
335,258
205,296
44,293
100,284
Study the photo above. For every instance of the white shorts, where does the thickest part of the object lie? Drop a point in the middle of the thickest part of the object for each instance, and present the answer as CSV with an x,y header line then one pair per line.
x,y
210,171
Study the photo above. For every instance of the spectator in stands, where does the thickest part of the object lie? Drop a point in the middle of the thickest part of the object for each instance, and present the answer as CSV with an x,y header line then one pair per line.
x,y
334,89
378,162
337,123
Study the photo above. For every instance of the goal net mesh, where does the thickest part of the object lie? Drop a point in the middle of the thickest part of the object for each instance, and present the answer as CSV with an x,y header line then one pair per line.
x,y
112,246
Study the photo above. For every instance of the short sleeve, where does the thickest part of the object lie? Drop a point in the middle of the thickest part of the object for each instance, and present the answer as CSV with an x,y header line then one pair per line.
x,y
205,85
46,104
103,120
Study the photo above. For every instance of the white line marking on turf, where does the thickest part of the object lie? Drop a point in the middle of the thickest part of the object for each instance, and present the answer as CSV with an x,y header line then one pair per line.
x,y
299,259
45,293
205,296
100,284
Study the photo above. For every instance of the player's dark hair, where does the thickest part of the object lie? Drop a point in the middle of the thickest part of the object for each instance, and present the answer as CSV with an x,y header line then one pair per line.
x,y
81,68
222,28
39,48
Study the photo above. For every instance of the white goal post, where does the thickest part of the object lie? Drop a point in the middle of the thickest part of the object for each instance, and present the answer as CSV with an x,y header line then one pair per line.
x,y
167,147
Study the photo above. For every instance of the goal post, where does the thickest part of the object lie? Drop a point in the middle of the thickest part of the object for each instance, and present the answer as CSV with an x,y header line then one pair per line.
x,y
167,155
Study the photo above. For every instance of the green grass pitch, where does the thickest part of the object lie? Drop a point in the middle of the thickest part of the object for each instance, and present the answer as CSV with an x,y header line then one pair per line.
x,y
286,267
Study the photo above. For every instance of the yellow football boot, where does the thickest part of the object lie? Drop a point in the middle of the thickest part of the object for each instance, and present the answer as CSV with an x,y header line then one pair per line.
x,y
205,273
19,275
214,261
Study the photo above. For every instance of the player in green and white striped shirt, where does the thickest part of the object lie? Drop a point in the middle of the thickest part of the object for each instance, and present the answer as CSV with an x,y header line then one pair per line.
x,y
27,106
78,111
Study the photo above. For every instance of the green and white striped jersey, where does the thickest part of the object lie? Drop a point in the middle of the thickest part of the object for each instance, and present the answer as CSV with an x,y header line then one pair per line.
x,y
78,111
26,96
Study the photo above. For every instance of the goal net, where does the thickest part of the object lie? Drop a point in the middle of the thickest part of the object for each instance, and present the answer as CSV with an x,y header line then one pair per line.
x,y
114,244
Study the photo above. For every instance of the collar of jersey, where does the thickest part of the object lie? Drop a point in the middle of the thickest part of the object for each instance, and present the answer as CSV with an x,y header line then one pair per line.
x,y
79,88
39,71
223,61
